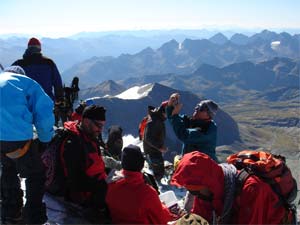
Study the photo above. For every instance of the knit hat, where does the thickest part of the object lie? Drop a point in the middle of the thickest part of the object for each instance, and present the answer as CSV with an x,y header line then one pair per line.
x,y
191,219
210,106
94,112
132,158
34,42
15,69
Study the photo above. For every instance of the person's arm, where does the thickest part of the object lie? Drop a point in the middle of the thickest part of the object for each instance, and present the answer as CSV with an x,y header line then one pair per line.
x,y
157,213
57,82
41,105
75,163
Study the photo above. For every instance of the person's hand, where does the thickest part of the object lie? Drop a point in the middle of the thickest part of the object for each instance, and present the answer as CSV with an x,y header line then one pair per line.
x,y
174,99
177,109
110,162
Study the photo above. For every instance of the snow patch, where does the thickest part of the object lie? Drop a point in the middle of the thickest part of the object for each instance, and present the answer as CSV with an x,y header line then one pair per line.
x,y
180,46
130,139
136,92
275,44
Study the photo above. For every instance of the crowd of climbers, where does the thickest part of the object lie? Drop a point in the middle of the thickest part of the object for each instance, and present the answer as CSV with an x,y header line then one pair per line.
x,y
122,194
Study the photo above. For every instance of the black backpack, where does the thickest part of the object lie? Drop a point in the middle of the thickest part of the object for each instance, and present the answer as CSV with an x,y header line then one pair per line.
x,y
55,179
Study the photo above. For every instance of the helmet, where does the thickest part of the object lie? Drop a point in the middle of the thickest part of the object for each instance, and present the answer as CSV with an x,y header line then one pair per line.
x,y
89,102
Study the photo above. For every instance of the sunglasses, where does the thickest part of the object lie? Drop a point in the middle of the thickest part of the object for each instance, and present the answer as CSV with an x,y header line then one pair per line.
x,y
97,124
201,108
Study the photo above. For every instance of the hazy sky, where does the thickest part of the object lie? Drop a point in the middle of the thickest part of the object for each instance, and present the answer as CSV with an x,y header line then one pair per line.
x,y
55,18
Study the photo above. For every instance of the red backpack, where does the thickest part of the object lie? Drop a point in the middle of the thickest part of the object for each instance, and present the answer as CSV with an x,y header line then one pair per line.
x,y
272,169
142,126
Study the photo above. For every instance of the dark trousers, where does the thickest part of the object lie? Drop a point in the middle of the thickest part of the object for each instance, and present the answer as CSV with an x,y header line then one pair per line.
x,y
28,166
156,163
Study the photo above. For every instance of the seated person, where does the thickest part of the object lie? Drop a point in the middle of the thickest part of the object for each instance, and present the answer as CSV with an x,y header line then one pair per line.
x,y
130,200
83,165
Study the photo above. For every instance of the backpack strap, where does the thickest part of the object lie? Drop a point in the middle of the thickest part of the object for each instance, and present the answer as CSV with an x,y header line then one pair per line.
x,y
241,178
229,171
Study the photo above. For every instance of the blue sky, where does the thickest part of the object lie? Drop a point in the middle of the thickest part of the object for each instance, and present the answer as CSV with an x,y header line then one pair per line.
x,y
56,18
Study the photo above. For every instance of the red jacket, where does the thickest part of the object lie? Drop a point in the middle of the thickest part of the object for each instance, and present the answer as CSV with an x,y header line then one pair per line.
x,y
256,204
82,163
76,117
132,201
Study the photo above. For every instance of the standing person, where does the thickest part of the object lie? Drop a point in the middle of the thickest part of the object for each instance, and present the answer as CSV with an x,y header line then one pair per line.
x,y
114,142
19,154
154,138
214,188
75,89
41,69
198,133
83,165
129,198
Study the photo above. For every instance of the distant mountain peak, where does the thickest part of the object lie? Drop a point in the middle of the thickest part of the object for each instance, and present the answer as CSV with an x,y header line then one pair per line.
x,y
219,38
239,39
147,50
172,44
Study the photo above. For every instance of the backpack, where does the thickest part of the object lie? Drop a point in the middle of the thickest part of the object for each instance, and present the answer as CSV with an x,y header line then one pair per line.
x,y
55,179
270,168
142,126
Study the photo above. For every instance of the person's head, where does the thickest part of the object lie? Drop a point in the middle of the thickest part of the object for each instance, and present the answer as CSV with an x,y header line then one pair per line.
x,y
75,80
34,43
201,176
132,158
93,120
205,110
15,69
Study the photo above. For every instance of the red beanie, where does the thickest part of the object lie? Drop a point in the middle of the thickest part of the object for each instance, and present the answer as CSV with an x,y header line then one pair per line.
x,y
34,42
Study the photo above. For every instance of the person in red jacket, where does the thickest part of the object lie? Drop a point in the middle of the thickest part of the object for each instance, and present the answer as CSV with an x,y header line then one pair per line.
x,y
130,200
213,185
82,162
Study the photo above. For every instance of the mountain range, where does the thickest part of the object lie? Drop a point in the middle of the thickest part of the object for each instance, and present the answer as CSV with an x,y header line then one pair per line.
x,y
215,49
187,56
276,80
128,112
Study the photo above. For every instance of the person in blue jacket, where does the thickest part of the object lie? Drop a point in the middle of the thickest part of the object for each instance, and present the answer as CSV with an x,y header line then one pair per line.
x,y
23,104
197,133
41,69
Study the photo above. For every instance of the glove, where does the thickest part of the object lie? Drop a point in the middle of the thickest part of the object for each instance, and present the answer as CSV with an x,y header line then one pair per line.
x,y
110,162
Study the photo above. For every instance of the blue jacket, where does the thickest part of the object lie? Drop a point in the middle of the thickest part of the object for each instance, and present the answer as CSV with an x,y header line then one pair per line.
x,y
194,139
44,71
24,104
